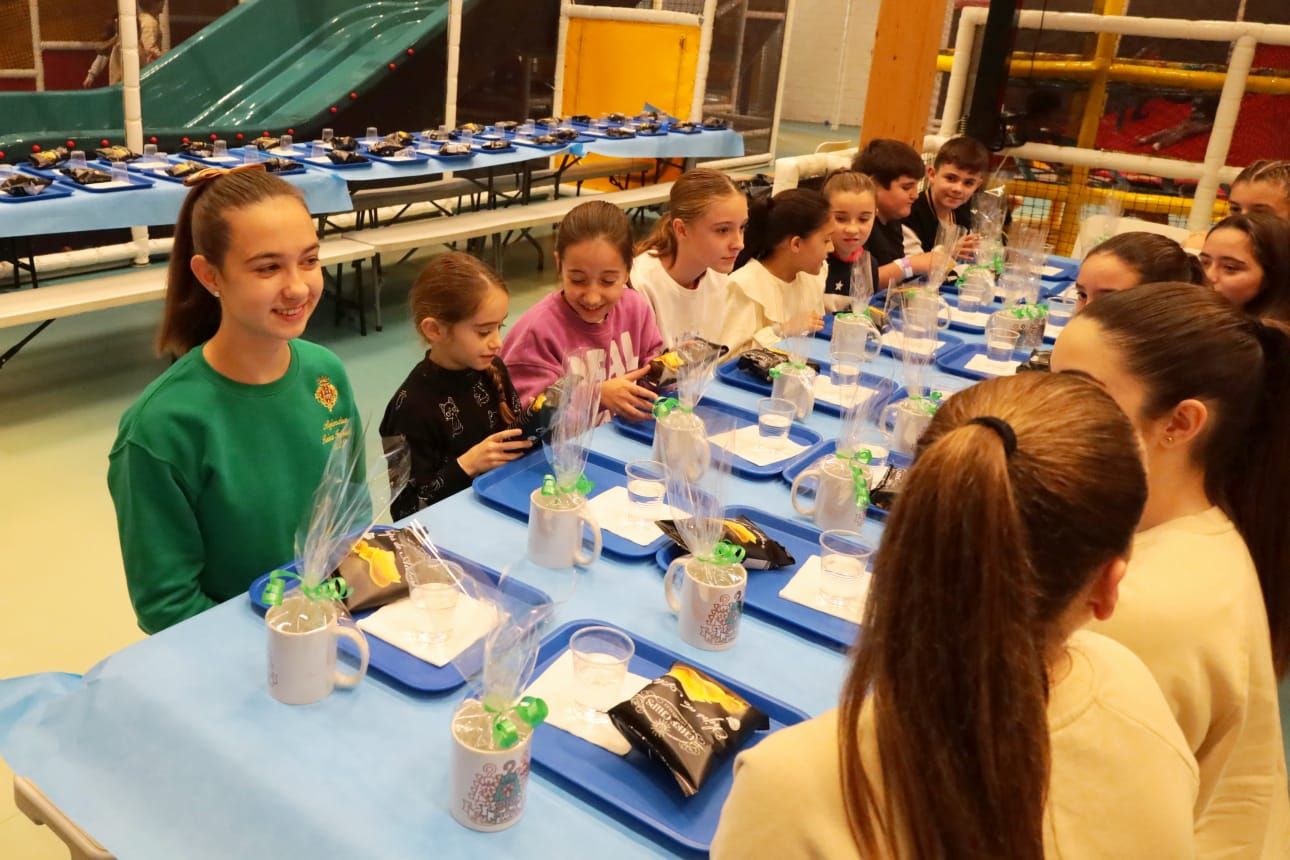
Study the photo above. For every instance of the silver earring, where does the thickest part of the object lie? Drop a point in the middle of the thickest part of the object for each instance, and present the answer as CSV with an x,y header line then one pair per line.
x,y
217,294
1169,440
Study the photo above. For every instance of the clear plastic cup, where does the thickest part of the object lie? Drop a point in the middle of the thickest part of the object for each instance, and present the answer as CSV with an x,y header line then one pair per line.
x,y
1001,343
251,154
973,296
844,565
219,149
600,659
774,418
1060,310
120,173
844,370
76,159
149,152
286,141
371,132
318,149
328,134
646,483
466,137
434,587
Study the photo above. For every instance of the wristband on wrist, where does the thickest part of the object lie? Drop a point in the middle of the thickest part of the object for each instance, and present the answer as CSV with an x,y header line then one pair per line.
x,y
905,267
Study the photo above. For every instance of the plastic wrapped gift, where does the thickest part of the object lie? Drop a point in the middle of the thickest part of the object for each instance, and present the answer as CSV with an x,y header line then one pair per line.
x,y
1029,321
795,382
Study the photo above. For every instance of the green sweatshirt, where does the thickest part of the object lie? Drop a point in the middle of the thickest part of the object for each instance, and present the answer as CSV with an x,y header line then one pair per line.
x,y
212,477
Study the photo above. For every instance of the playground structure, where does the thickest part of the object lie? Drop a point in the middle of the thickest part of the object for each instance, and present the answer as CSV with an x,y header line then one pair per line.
x,y
1060,183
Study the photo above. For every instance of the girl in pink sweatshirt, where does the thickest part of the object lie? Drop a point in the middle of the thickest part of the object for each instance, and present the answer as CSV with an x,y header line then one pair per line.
x,y
594,308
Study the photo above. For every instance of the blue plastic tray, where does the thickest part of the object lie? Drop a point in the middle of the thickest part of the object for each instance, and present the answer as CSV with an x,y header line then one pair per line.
x,y
1056,289
762,599
730,373
643,431
418,158
476,147
966,328
634,785
508,488
327,164
1068,265
547,147
827,448
51,192
398,665
955,361
136,182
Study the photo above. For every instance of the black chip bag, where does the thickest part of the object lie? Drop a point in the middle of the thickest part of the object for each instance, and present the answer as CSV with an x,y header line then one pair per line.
x,y
664,370
199,148
1040,360
885,486
346,143
386,148
564,134
713,123
180,169
506,125
648,127
345,156
688,722
401,138
761,551
85,175
376,568
280,165
451,149
435,134
22,185
117,153
264,144
49,158
761,361
615,131
546,140
491,145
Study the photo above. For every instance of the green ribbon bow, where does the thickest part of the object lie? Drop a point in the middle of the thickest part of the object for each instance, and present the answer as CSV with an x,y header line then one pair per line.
x,y
780,369
582,486
724,553
665,406
528,710
1030,312
867,313
963,275
998,262
858,461
930,403
335,588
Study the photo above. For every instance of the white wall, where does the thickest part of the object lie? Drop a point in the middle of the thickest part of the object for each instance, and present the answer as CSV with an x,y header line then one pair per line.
x,y
812,79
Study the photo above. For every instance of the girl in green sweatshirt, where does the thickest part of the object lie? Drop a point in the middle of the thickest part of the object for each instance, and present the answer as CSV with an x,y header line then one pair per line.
x,y
215,465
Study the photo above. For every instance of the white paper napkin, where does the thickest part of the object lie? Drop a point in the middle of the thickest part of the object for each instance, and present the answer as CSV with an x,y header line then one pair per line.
x,y
804,589
1050,271
984,364
398,623
828,392
896,340
556,687
615,512
747,442
976,318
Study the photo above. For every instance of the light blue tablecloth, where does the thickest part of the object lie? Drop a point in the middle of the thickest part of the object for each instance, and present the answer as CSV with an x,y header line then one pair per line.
x,y
148,207
173,747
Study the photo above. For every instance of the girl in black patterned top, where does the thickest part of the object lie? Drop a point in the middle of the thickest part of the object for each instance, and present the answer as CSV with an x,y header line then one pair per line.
x,y
457,411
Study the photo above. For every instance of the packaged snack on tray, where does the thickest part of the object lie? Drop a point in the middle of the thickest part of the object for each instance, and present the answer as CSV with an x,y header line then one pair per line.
x,y
615,117
549,121
686,127
648,127
86,175
506,125
386,148
436,135
451,149
565,135
760,361
470,128
180,169
761,551
885,485
580,119
49,158
617,132
346,143
280,165
714,123
1039,360
264,144
665,370
199,148
400,138
687,722
494,145
23,185
117,153
376,568
345,156
547,140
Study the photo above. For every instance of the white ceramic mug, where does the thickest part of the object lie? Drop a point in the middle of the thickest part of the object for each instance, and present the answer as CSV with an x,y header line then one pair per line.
x,y
903,424
855,334
302,666
708,608
489,786
556,530
681,442
835,495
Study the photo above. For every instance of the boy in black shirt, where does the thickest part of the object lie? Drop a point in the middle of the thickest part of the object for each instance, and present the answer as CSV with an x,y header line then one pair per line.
x,y
955,175
896,169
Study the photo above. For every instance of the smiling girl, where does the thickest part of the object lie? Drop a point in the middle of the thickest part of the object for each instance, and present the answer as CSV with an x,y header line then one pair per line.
x,y
593,309
215,465
683,267
1247,259
853,205
457,411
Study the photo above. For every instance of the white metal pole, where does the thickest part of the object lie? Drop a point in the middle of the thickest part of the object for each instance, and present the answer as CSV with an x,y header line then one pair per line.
x,y
969,20
37,51
783,73
454,63
561,45
1220,138
164,21
127,28
701,69
836,118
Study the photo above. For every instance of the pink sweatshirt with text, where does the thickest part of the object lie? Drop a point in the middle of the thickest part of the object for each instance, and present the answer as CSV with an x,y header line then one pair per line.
x,y
535,349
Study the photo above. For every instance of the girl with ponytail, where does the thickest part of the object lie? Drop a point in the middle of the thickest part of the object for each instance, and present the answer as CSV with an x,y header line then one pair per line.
x,y
979,721
1206,604
216,464
1128,259
457,411
683,267
779,293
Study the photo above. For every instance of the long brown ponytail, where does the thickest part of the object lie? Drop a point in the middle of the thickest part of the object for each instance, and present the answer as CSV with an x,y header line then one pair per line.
x,y
1182,343
1155,258
981,557
689,199
450,289
192,315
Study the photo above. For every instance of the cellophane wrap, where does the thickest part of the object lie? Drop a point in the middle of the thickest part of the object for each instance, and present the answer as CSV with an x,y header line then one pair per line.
x,y
350,498
697,495
574,420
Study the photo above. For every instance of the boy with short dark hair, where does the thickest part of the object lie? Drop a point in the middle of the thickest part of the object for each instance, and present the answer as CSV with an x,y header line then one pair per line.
x,y
956,174
896,169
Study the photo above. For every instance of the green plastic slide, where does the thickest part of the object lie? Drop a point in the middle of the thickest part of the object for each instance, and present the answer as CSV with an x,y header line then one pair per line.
x,y
266,65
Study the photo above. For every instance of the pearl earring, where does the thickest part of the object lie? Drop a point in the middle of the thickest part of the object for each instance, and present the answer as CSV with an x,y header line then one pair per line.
x,y
1169,440
217,294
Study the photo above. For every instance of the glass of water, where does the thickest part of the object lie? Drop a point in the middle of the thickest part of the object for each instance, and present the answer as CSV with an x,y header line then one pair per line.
x,y
646,483
328,134
844,370
1060,310
76,159
219,149
285,142
434,587
120,173
371,132
774,418
600,658
1001,343
844,564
